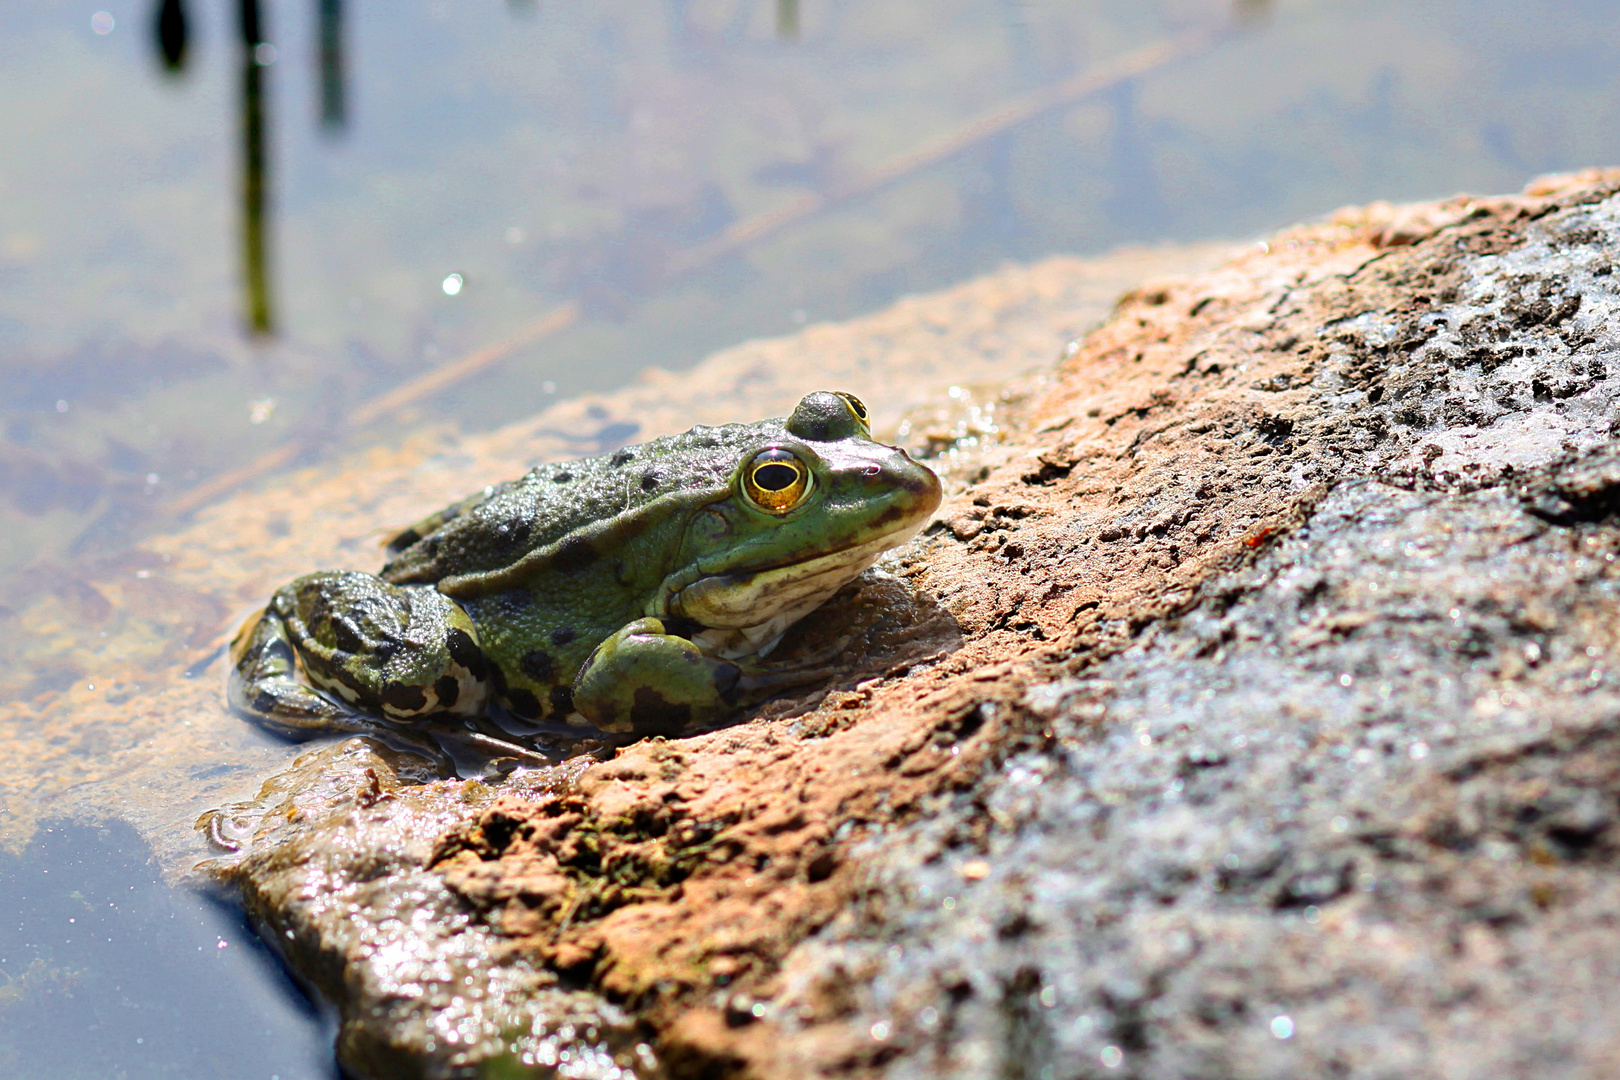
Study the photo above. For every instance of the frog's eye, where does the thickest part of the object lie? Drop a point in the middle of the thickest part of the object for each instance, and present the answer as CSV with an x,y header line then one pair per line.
x,y
776,480
856,406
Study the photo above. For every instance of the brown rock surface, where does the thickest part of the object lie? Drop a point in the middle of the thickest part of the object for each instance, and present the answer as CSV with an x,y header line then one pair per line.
x,y
1246,712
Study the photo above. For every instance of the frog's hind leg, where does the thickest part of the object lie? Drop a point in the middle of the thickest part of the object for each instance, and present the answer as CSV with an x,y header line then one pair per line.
x,y
379,659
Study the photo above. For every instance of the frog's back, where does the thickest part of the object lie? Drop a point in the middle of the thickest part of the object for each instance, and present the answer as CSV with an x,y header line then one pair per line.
x,y
493,530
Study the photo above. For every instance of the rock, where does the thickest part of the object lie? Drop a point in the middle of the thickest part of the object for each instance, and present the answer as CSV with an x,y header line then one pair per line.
x,y
1248,711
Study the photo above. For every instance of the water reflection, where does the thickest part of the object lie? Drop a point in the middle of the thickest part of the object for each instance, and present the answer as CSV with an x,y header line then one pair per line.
x,y
257,55
643,184
106,971
334,101
171,36
171,32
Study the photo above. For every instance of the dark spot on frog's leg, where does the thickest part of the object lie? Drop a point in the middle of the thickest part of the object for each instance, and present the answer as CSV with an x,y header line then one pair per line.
x,y
326,675
465,651
726,678
562,477
563,635
651,714
403,698
345,636
621,457
497,681
273,649
524,703
403,541
562,702
574,553
447,689
538,665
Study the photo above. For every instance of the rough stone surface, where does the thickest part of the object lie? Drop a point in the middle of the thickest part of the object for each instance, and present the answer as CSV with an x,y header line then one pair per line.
x,y
1353,810
1248,711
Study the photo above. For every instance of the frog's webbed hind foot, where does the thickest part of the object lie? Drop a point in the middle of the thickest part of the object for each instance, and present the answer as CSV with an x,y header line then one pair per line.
x,y
407,654
262,684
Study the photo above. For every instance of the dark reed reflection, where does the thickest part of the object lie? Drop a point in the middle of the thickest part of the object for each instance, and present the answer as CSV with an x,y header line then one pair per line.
x,y
171,31
1250,11
171,35
257,55
787,19
330,61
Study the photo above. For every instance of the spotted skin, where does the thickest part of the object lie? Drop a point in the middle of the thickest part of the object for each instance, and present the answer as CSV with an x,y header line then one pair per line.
x,y
635,592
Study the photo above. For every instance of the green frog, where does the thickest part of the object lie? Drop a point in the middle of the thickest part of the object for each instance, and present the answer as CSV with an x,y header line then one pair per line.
x,y
637,593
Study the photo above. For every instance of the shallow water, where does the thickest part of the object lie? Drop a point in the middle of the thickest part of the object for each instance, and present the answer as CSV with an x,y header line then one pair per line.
x,y
107,971
619,186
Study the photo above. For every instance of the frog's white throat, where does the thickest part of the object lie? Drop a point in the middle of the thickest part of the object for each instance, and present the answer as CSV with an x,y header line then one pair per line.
x,y
731,605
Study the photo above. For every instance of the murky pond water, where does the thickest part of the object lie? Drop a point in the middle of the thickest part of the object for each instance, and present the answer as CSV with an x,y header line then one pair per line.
x,y
231,246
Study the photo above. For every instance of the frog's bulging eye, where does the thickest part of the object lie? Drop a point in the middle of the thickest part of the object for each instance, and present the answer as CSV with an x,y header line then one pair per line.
x,y
776,480
855,404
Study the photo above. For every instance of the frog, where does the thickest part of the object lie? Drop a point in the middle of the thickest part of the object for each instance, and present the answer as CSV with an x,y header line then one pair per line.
x,y
638,593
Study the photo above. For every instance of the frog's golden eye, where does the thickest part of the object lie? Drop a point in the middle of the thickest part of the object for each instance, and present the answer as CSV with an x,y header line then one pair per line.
x,y
776,480
855,404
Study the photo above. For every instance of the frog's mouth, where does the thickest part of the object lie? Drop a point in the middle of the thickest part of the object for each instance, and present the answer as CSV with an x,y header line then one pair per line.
x,y
749,609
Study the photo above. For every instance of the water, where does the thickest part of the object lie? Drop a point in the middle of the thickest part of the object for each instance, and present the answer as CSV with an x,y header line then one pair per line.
x,y
214,273
106,971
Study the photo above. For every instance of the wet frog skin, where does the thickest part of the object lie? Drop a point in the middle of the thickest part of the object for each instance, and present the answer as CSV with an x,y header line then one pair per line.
x,y
637,593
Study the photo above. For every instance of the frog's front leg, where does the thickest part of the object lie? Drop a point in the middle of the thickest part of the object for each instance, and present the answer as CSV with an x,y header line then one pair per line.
x,y
646,681
401,653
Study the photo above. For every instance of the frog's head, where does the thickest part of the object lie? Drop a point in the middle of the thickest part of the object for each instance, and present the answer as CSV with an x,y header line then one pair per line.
x,y
808,508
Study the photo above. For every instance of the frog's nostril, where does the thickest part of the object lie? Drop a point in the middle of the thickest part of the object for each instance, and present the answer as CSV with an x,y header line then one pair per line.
x,y
871,470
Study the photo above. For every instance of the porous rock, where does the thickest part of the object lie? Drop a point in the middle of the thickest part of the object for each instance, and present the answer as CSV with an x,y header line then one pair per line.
x,y
1252,714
